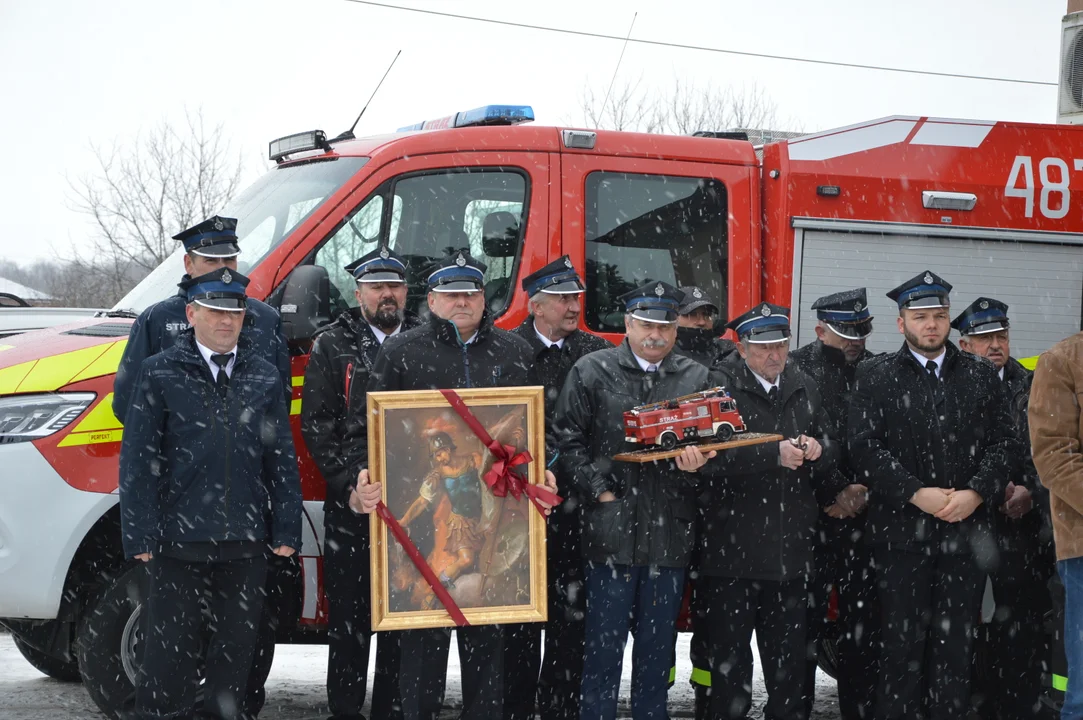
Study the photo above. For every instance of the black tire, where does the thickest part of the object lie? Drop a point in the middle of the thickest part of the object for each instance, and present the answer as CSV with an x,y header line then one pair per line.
x,y
668,440
54,667
827,656
107,646
725,432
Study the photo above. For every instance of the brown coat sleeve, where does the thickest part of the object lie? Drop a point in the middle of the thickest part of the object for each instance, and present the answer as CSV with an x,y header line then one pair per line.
x,y
1055,427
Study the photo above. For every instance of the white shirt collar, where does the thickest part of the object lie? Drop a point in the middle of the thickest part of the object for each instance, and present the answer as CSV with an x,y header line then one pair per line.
x,y
922,360
546,341
644,364
1000,372
206,352
763,381
381,335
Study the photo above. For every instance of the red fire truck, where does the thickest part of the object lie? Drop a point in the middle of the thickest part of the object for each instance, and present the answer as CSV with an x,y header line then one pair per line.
x,y
707,414
994,207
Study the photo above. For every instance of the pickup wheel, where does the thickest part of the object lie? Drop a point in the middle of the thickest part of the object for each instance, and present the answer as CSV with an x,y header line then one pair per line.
x,y
109,640
54,667
668,440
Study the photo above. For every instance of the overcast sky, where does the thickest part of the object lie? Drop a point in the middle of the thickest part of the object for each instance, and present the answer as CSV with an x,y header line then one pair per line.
x,y
74,72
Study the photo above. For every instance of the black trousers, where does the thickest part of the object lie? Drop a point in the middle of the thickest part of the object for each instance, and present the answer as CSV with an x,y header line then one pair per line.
x,y
233,590
347,576
929,603
777,612
849,571
562,665
1008,683
522,664
699,648
423,672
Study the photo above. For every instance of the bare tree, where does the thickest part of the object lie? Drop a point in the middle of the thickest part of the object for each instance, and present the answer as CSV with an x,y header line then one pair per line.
x,y
144,191
682,109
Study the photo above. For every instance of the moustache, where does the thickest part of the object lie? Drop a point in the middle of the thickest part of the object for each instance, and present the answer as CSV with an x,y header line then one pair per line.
x,y
654,344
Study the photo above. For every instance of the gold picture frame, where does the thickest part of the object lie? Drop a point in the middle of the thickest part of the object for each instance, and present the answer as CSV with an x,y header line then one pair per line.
x,y
491,550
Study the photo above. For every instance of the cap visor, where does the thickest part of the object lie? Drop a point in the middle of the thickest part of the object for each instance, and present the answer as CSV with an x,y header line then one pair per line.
x,y
692,307
227,249
457,286
767,336
233,304
381,276
989,327
571,287
852,331
654,315
928,303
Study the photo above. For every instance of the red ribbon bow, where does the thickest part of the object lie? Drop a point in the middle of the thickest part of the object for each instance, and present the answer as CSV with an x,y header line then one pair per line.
x,y
505,476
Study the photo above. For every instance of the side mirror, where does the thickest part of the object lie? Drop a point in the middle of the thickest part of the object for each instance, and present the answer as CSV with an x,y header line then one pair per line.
x,y
306,302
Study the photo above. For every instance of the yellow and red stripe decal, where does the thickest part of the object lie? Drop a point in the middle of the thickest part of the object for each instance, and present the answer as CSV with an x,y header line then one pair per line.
x,y
295,404
49,374
99,426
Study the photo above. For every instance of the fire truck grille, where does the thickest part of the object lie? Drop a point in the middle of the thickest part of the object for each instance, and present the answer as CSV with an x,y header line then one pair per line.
x,y
103,330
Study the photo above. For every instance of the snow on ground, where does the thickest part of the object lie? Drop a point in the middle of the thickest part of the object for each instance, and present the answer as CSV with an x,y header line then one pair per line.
x,y
296,691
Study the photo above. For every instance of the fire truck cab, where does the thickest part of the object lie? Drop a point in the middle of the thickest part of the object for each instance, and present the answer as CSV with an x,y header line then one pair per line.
x,y
987,205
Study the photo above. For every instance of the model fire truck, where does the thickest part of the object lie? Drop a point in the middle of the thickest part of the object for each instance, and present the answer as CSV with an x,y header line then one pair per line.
x,y
706,414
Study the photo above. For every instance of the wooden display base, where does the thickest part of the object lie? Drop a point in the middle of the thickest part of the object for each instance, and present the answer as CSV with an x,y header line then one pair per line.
x,y
648,455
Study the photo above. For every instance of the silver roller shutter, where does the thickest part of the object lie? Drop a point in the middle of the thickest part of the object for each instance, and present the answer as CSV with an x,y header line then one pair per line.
x,y
1041,281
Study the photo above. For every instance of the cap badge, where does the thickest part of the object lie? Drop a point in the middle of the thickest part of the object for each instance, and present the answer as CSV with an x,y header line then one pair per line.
x,y
765,311
858,306
928,279
984,305
226,277
460,260
384,253
697,294
568,263
659,290
219,225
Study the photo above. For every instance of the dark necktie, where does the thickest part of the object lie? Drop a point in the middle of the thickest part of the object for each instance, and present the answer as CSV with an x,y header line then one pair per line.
x,y
930,367
772,394
222,361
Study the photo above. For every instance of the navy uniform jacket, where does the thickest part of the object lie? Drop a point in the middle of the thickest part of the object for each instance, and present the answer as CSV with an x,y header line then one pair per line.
x,y
197,465
158,327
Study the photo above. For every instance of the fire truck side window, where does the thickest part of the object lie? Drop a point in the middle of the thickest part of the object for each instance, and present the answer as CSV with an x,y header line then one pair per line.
x,y
430,215
651,227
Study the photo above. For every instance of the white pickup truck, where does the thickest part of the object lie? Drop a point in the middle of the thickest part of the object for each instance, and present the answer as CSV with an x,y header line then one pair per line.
x,y
18,316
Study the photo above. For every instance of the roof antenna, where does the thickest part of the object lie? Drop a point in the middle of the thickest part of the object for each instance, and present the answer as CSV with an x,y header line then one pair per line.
x,y
348,135
601,113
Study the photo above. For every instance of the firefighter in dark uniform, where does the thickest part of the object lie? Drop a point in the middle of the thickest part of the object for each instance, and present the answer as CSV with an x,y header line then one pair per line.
x,y
209,245
930,429
1009,677
556,342
638,519
843,562
759,522
698,338
698,329
208,481
458,348
342,356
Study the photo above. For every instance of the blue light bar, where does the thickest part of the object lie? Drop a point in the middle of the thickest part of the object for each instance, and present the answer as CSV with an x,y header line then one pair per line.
x,y
485,115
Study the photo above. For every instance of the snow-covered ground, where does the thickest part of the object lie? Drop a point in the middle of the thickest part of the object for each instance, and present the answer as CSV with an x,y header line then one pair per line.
x,y
296,691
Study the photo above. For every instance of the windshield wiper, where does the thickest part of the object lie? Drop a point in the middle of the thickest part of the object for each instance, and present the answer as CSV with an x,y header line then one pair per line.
x,y
131,314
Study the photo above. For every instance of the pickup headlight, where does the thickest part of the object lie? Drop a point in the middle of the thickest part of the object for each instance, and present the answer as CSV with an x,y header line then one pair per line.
x,y
28,417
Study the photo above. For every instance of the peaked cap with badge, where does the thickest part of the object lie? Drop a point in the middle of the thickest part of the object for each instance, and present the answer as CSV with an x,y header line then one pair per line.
x,y
846,313
765,323
923,291
655,301
221,289
557,278
694,299
984,315
457,272
214,237
381,265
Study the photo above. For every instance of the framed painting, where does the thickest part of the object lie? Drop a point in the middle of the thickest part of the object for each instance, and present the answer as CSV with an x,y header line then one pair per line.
x,y
479,537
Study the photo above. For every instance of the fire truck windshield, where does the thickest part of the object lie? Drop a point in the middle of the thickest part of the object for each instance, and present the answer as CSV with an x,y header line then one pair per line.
x,y
267,212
